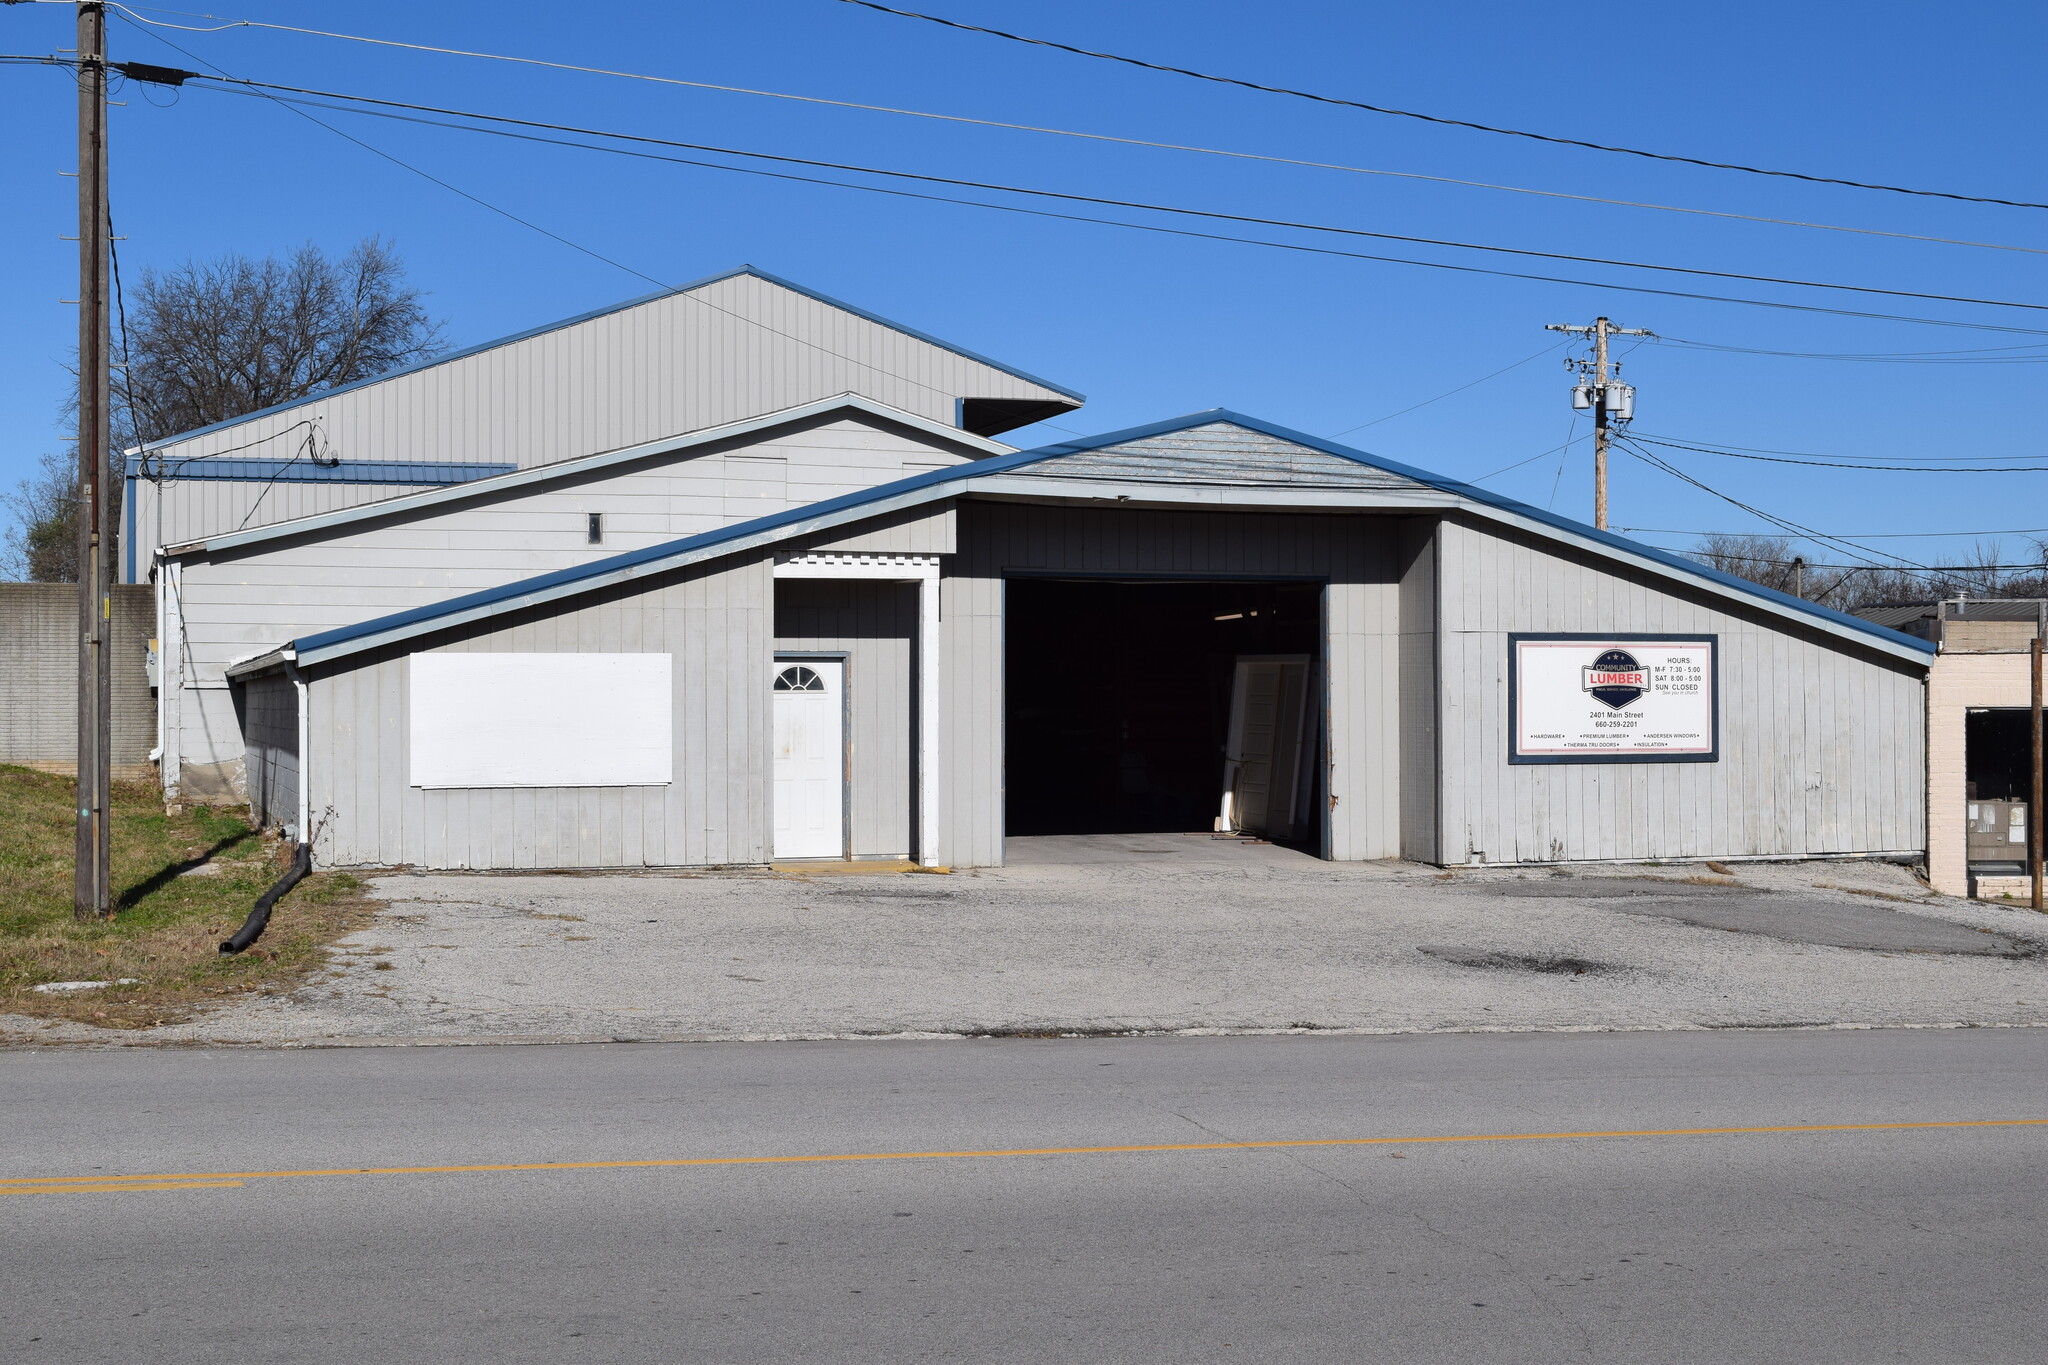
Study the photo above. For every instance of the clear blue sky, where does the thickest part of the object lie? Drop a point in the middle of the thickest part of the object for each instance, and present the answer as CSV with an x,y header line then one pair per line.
x,y
1151,326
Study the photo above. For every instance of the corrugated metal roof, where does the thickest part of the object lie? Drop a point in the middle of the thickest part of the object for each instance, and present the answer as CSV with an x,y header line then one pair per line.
x,y
938,483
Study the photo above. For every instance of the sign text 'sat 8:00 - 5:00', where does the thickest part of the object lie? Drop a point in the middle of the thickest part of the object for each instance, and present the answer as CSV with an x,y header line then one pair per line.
x,y
1612,699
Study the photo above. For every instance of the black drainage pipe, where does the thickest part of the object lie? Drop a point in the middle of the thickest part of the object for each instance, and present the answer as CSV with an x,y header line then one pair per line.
x,y
252,928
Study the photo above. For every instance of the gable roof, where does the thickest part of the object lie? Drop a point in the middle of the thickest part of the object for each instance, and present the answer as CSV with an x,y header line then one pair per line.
x,y
559,324
428,501
1029,472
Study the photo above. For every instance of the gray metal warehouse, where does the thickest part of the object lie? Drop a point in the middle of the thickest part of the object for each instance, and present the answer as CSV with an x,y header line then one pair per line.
x,y
1206,623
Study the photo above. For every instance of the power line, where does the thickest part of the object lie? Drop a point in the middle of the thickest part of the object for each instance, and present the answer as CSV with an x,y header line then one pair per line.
x,y
1438,118
1547,350
557,237
226,24
1140,205
1709,556
1847,535
1844,464
1980,356
1805,532
259,87
1531,460
1718,446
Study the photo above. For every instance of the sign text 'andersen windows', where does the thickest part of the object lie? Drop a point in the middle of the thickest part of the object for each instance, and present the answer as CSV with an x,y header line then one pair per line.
x,y
1612,699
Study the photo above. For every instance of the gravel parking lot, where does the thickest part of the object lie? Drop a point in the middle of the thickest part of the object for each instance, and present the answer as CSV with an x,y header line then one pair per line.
x,y
1152,933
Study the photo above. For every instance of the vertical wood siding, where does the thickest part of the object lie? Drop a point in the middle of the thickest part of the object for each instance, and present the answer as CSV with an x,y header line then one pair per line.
x,y
1822,744
726,351
247,601
717,622
875,625
1420,768
182,510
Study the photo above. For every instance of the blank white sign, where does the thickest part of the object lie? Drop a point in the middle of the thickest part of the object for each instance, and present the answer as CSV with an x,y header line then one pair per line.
x,y
542,720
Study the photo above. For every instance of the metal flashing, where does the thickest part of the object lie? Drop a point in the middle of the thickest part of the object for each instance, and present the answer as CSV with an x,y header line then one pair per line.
x,y
257,470
463,353
985,475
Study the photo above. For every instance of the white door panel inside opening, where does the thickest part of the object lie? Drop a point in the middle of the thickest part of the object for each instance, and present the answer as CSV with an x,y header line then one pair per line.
x,y
1262,757
810,758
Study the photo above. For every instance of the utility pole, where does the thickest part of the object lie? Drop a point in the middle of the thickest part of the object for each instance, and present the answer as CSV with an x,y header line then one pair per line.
x,y
2035,851
1613,402
93,895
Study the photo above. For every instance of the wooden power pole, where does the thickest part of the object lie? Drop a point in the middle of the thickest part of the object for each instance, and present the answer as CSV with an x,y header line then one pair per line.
x,y
2035,851
93,897
1611,400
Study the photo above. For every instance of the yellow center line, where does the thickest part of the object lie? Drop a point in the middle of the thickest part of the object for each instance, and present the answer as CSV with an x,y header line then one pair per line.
x,y
40,1184
123,1183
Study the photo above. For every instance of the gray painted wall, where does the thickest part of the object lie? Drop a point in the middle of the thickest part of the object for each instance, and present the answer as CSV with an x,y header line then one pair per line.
x,y
875,625
252,599
181,510
717,622
1822,744
39,676
720,621
726,351
1420,741
270,722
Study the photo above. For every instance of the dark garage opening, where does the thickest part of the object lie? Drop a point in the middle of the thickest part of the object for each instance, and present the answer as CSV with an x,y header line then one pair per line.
x,y
1118,699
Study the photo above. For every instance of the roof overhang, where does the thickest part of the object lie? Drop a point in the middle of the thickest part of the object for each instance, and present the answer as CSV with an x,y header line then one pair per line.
x,y
428,501
269,661
1010,477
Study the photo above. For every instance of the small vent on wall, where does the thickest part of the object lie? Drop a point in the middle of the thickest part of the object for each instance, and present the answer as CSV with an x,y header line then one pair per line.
x,y
595,533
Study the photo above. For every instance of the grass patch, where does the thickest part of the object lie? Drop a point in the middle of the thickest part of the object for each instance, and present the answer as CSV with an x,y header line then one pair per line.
x,y
170,921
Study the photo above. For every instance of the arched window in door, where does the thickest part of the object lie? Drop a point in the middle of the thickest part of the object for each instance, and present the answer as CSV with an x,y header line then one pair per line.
x,y
798,678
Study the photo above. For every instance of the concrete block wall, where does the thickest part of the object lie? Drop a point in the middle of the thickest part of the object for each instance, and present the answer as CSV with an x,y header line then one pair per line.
x,y
39,676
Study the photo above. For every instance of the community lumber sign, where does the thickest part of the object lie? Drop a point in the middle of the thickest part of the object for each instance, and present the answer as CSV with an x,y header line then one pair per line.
x,y
1613,699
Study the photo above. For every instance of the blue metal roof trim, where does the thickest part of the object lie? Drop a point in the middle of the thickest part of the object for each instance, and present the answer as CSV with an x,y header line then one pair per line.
x,y
1477,494
607,310
410,472
1003,464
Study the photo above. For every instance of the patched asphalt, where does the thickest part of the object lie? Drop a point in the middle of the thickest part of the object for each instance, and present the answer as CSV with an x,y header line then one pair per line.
x,y
1865,923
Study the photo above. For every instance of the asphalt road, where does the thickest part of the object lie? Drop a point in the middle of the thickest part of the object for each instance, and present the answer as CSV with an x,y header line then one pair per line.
x,y
1855,1245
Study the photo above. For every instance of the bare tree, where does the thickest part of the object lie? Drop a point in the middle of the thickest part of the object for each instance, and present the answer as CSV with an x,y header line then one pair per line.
x,y
1760,559
212,340
42,545
215,339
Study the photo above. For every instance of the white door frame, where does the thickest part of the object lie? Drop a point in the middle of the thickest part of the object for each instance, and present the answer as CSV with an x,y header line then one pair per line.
x,y
845,662
922,570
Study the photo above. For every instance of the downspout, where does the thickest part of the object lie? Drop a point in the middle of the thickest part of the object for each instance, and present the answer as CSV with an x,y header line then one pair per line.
x,y
158,570
305,773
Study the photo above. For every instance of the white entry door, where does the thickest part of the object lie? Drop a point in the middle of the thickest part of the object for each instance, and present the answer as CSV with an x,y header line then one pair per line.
x,y
810,758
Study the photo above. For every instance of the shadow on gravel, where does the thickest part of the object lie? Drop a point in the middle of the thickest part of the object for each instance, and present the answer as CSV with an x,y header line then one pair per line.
x,y
1773,914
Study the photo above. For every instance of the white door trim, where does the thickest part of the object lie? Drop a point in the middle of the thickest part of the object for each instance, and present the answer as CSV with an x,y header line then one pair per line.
x,y
839,671
922,570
